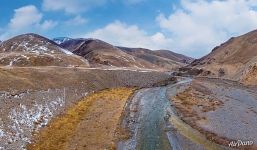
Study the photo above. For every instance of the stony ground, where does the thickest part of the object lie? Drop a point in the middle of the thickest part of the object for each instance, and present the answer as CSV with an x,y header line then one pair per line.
x,y
223,110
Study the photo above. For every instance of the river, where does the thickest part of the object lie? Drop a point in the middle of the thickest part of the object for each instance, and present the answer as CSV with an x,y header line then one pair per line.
x,y
154,125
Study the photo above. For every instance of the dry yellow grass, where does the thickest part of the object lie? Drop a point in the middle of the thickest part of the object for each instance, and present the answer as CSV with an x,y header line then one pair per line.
x,y
191,99
93,118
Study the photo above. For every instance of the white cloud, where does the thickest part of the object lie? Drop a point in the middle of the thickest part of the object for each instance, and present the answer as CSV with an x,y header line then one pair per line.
x,y
48,24
71,6
27,19
200,25
24,17
77,20
193,28
79,6
121,34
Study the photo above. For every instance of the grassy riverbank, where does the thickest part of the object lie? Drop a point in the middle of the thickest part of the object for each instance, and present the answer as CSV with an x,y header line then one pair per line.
x,y
90,124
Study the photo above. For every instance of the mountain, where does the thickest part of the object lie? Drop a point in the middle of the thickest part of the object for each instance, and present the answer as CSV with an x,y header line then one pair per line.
x,y
60,40
35,50
235,59
174,56
98,52
161,58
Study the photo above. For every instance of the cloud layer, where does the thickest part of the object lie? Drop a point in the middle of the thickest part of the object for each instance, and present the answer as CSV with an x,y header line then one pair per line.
x,y
77,20
24,17
79,6
71,6
27,19
121,34
198,26
193,29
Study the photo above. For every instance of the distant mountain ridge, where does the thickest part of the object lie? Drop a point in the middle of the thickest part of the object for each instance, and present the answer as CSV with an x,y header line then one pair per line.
x,y
159,53
35,50
99,52
174,56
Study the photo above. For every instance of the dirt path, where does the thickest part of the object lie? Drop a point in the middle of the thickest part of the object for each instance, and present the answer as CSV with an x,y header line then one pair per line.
x,y
90,124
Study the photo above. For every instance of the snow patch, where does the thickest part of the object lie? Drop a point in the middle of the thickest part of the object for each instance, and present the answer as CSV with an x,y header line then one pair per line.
x,y
25,57
66,51
61,40
28,119
1,129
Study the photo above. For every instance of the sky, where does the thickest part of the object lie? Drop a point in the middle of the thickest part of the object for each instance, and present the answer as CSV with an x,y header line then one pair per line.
x,y
190,27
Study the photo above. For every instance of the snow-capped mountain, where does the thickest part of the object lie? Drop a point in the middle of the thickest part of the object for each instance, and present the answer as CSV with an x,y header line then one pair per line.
x,y
60,40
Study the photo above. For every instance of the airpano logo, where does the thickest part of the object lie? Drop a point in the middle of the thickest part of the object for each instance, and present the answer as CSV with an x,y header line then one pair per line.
x,y
240,143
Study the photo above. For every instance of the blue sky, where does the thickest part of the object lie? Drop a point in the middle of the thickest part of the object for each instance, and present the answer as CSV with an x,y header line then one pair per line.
x,y
191,27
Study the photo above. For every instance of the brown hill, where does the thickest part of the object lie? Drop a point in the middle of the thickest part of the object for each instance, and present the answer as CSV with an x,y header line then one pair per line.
x,y
235,59
100,53
35,50
174,56
162,58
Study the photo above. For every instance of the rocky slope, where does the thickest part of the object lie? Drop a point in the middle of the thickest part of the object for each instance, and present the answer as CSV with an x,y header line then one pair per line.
x,y
235,59
35,50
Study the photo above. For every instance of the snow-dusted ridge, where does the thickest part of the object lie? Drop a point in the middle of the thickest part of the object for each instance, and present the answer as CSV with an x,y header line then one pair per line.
x,y
60,40
66,51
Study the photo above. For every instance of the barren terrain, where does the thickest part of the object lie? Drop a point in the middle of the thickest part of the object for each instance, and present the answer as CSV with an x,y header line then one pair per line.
x,y
222,110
